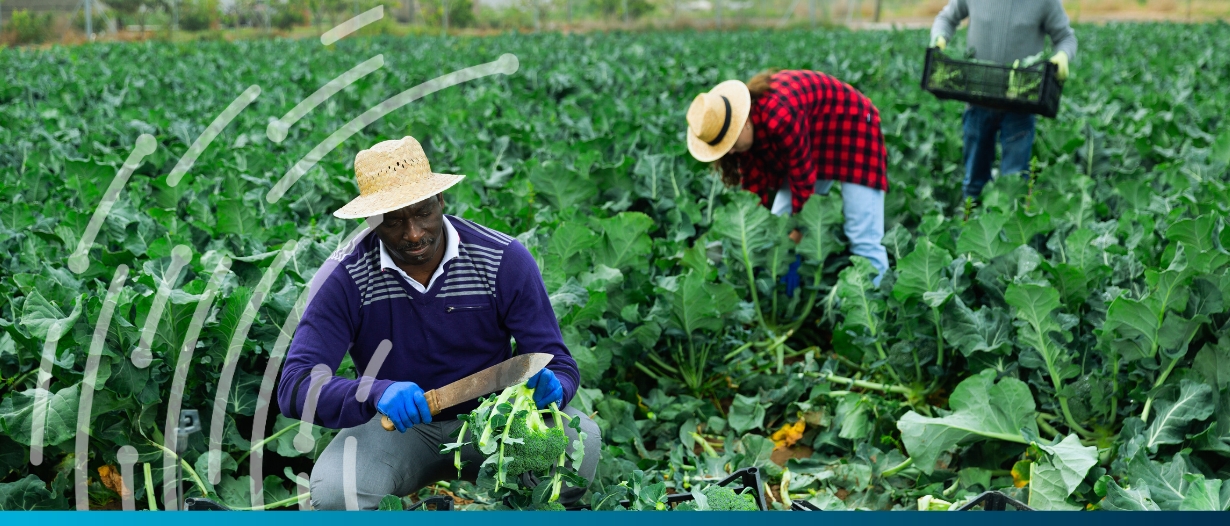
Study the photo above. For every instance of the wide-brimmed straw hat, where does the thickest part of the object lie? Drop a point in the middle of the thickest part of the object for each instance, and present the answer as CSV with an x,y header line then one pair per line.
x,y
393,175
716,118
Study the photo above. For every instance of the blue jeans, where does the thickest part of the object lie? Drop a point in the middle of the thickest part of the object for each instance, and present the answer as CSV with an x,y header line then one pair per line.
x,y
1016,137
863,208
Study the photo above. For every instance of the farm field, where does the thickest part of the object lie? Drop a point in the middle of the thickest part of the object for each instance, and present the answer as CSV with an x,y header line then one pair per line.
x,y
1066,341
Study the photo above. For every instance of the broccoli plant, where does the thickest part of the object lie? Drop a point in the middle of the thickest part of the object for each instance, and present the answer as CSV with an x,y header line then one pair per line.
x,y
721,498
521,448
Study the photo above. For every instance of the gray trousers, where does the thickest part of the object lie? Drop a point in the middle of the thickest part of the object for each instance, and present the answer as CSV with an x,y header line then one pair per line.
x,y
363,464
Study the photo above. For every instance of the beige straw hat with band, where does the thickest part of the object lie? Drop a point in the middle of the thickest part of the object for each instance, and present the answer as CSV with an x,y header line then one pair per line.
x,y
716,119
393,175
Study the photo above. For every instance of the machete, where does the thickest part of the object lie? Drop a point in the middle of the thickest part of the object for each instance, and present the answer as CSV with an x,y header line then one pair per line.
x,y
515,370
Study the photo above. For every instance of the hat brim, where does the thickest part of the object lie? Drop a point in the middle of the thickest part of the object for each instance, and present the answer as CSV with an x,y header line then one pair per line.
x,y
740,107
396,198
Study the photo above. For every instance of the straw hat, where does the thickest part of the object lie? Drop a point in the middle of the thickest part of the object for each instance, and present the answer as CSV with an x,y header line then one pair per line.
x,y
393,175
716,118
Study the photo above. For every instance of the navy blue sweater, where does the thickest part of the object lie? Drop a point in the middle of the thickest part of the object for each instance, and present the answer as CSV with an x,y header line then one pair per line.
x,y
491,292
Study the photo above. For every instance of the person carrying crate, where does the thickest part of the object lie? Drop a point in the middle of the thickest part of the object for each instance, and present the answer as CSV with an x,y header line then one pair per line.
x,y
1003,31
785,135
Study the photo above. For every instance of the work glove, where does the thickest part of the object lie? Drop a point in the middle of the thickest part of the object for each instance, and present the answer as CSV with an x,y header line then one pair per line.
x,y
405,405
1061,59
791,279
939,42
547,388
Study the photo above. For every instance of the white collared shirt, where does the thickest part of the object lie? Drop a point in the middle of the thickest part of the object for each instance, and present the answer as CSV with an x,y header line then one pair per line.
x,y
450,252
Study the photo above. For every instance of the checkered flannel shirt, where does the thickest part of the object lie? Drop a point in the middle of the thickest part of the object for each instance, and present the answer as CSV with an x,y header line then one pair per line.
x,y
812,126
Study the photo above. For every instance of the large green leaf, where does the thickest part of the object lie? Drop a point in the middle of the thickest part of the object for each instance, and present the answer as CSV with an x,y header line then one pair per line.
x,y
746,414
58,412
1217,436
25,494
1033,305
1136,323
1131,499
819,220
981,409
1048,488
236,217
745,223
562,187
1165,481
569,245
861,306
981,237
1199,239
699,305
1204,494
1071,460
922,271
624,244
986,330
39,316
1170,421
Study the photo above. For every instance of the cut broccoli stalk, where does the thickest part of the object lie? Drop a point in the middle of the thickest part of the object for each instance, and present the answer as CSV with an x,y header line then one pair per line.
x,y
526,443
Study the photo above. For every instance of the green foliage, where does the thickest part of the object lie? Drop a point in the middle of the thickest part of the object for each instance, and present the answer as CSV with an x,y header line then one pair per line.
x,y
981,409
460,12
28,27
1072,328
198,15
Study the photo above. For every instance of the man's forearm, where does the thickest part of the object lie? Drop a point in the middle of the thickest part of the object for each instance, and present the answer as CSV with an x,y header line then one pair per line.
x,y
948,19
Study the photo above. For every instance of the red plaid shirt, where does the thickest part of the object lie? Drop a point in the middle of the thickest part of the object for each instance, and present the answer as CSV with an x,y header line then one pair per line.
x,y
808,126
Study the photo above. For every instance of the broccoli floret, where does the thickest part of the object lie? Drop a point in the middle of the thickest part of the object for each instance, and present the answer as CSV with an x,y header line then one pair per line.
x,y
725,499
552,506
541,445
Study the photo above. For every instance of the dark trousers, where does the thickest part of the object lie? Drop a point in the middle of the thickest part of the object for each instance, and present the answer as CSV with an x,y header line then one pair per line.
x,y
982,127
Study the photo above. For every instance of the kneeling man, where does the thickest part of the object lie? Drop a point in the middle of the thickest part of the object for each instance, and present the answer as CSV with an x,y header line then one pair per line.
x,y
419,300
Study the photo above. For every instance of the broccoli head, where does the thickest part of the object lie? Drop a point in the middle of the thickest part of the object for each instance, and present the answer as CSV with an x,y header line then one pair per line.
x,y
540,447
551,506
725,499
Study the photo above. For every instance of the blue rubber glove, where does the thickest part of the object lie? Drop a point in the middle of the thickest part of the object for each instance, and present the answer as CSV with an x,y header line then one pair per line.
x,y
791,279
546,388
405,405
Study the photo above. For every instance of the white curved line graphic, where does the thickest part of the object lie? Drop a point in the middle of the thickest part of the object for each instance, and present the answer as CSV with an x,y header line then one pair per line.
x,y
181,255
127,457
305,502
256,456
321,374
261,417
218,419
42,394
350,454
170,490
277,129
350,26
373,368
220,122
88,383
145,145
506,64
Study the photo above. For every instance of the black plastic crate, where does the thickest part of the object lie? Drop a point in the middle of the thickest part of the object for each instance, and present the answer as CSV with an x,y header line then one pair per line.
x,y
986,501
994,501
747,478
1035,89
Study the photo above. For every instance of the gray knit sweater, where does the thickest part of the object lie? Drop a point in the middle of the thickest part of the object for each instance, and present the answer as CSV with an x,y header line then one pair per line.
x,y
1006,30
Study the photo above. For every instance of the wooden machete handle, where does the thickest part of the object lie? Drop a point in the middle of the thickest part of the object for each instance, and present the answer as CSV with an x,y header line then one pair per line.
x,y
433,404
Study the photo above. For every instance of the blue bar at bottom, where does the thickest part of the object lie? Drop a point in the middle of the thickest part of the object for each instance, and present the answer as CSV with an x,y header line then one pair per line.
x,y
607,518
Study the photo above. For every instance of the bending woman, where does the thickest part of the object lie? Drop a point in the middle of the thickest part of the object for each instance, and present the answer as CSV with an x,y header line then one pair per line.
x,y
788,134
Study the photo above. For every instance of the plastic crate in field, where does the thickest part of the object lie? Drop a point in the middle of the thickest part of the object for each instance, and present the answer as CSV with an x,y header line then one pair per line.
x,y
1035,89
